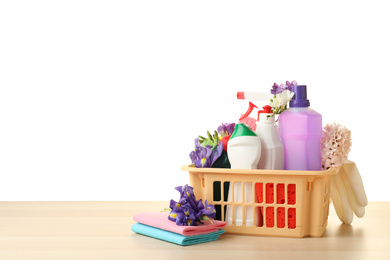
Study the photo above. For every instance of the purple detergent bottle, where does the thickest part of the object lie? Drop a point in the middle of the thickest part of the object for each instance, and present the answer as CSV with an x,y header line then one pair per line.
x,y
300,130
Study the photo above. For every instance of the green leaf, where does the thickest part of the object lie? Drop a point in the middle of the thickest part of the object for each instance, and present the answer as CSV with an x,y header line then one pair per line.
x,y
209,135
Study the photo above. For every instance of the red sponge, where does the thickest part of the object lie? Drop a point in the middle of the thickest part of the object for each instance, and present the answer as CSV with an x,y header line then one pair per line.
x,y
249,121
280,205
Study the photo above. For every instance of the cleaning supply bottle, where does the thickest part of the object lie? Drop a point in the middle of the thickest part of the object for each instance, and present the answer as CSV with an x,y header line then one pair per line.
x,y
272,151
244,150
300,129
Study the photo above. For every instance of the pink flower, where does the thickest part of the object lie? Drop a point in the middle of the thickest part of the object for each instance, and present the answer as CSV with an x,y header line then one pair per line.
x,y
335,145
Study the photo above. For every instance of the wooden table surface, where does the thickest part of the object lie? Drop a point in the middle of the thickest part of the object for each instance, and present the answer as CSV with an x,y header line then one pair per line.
x,y
101,230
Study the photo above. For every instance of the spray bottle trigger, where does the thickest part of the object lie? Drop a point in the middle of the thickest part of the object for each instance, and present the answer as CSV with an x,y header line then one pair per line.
x,y
250,108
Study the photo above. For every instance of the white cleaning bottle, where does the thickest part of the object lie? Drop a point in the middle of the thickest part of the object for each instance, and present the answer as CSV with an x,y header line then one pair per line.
x,y
244,150
272,151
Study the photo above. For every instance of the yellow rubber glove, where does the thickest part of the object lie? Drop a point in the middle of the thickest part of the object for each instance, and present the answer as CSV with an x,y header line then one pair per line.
x,y
347,193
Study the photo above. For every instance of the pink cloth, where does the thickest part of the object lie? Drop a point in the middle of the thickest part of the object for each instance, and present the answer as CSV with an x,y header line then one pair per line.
x,y
160,220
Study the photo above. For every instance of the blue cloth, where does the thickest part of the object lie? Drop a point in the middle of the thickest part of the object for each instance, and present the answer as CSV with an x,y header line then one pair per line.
x,y
174,237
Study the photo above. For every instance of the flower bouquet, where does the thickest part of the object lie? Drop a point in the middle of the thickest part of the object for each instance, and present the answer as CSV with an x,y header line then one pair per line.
x,y
211,151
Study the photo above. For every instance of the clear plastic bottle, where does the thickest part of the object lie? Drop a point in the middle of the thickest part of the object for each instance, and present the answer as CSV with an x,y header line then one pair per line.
x,y
300,129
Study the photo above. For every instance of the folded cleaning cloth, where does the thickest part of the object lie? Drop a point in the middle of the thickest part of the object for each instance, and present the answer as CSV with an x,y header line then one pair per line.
x,y
174,237
160,220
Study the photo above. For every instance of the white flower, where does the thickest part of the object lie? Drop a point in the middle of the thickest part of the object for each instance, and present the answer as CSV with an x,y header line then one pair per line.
x,y
276,102
280,100
286,95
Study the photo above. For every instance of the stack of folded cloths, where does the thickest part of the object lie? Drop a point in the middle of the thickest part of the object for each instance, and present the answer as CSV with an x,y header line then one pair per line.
x,y
157,225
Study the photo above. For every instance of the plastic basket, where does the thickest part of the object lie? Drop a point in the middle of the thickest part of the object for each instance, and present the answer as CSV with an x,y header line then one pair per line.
x,y
283,203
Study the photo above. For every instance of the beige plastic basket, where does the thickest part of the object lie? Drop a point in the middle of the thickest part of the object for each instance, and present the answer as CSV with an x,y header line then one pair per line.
x,y
283,203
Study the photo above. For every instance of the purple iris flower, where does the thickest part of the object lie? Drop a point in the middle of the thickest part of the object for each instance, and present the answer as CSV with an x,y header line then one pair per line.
x,y
203,157
185,191
208,210
226,129
216,153
197,152
188,211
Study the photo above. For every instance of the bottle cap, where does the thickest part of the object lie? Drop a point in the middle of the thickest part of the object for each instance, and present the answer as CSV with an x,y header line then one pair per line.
x,y
242,130
265,116
267,109
300,96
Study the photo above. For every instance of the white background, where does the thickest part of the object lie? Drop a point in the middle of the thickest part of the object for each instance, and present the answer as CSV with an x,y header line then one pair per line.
x,y
101,100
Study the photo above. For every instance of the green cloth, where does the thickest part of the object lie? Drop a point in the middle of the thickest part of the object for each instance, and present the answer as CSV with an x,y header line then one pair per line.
x,y
174,237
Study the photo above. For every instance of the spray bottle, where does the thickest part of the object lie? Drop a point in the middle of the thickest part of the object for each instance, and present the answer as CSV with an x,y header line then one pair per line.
x,y
272,151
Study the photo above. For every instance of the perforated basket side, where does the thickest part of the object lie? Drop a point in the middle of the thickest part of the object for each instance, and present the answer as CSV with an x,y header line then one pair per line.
x,y
318,211
306,215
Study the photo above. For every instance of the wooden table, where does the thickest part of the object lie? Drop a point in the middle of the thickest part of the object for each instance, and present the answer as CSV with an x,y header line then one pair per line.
x,y
101,230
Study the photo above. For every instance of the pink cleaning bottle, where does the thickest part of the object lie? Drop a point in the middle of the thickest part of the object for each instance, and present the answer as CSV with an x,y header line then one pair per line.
x,y
300,129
